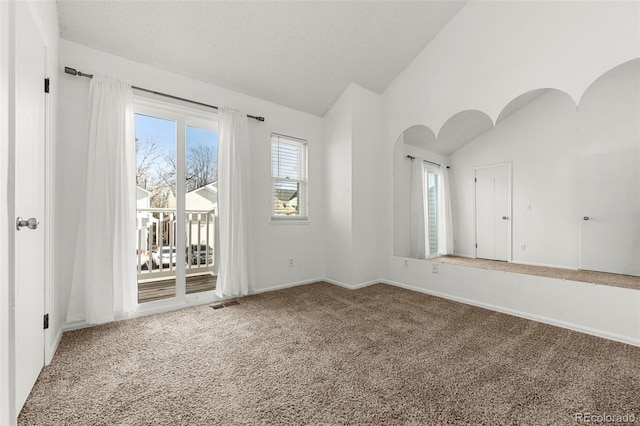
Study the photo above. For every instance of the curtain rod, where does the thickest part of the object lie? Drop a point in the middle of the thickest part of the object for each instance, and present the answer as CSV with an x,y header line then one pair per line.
x,y
411,157
73,71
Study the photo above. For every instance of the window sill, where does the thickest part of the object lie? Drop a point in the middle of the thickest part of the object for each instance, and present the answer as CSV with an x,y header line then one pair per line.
x,y
288,220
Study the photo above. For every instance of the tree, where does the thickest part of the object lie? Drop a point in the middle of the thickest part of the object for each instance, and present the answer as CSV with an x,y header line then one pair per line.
x,y
202,166
156,170
147,154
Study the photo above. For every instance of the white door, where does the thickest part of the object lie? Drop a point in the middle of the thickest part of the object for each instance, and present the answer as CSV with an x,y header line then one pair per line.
x,y
29,200
492,212
609,172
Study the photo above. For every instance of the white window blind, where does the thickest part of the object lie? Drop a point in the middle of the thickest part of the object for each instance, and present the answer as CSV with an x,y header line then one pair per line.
x,y
289,177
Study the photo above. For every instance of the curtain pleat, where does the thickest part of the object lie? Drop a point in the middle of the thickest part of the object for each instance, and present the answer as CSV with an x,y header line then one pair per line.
x,y
417,225
445,228
234,203
104,281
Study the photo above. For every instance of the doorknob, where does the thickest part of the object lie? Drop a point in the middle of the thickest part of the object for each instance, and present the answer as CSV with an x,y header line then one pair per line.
x,y
585,218
31,223
505,217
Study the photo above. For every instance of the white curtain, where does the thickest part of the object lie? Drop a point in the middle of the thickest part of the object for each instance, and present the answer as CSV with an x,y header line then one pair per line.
x,y
417,222
445,228
104,282
233,202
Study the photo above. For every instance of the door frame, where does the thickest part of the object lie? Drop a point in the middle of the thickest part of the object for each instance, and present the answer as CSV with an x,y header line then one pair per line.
x,y
8,413
183,116
8,10
509,165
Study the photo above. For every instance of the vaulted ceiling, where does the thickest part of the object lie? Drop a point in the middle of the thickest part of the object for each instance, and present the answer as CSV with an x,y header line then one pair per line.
x,y
301,54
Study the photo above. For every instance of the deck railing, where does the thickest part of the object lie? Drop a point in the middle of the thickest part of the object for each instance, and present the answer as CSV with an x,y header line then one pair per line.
x,y
157,236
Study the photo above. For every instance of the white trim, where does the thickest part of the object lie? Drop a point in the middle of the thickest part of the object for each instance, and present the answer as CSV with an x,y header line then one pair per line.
x,y
546,265
49,249
300,220
55,343
8,415
543,319
496,308
182,116
353,286
158,309
150,102
509,207
287,285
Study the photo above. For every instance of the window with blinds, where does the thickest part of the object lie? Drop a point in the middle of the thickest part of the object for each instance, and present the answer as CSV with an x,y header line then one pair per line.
x,y
288,177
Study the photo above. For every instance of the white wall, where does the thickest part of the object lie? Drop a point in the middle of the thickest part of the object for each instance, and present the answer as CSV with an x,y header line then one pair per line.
x,y
366,179
493,51
490,53
540,141
338,190
601,310
272,244
352,177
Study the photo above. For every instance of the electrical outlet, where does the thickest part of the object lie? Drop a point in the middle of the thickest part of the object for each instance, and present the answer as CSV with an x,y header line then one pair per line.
x,y
435,268
290,261
523,247
406,263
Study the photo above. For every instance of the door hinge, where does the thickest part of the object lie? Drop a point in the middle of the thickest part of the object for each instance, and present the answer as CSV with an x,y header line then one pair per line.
x,y
46,321
476,245
46,85
475,180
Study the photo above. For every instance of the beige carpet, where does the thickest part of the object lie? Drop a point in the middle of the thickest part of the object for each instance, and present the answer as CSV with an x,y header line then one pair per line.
x,y
594,277
320,354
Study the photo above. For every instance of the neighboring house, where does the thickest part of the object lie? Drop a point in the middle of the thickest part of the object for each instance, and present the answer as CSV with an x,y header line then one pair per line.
x,y
200,227
285,202
144,219
198,205
143,198
204,198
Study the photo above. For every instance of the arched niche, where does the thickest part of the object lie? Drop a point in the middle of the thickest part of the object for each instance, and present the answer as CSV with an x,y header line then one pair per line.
x,y
461,129
609,172
417,140
535,133
465,139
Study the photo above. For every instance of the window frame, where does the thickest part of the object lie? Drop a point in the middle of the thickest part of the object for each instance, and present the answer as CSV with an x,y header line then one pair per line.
x,y
433,170
183,116
303,180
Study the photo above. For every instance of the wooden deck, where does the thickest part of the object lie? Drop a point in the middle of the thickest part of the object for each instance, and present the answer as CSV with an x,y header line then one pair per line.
x,y
156,290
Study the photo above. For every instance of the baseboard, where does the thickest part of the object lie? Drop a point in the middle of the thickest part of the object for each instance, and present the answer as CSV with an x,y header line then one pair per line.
x,y
351,286
54,346
570,268
462,255
77,325
286,285
538,318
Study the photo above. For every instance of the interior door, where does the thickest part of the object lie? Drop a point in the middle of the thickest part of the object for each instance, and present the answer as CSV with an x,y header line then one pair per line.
x,y
485,214
29,201
501,212
492,212
609,172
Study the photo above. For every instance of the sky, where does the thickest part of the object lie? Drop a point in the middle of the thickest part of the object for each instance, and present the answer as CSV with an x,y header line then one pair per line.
x,y
164,133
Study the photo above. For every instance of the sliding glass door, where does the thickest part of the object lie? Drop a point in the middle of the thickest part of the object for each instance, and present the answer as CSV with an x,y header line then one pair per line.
x,y
176,187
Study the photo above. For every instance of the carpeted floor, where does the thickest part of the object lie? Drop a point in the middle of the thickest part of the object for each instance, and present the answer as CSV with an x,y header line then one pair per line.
x,y
320,354
594,277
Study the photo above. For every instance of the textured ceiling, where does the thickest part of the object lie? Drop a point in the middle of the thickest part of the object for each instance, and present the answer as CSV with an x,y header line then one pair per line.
x,y
301,54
